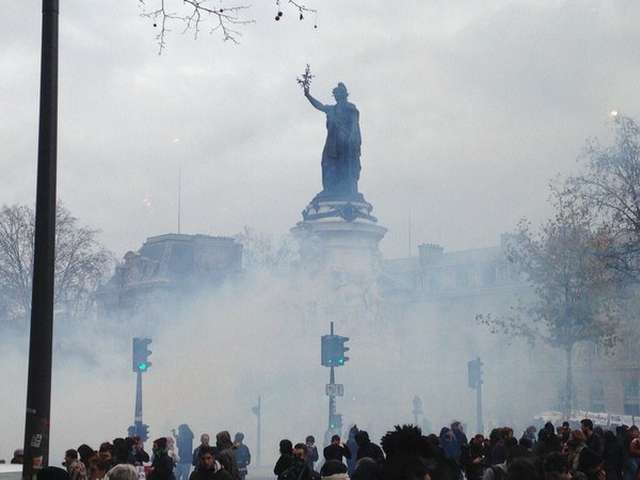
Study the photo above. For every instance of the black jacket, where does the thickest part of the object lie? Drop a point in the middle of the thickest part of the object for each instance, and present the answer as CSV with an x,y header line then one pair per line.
x,y
336,452
283,463
370,450
210,475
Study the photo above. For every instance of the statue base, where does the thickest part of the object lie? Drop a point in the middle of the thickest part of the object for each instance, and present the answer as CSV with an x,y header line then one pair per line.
x,y
339,234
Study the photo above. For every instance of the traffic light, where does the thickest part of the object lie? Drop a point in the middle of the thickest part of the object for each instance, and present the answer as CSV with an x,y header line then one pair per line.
x,y
141,354
474,368
333,350
342,349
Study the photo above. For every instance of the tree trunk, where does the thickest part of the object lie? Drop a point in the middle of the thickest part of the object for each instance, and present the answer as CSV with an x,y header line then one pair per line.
x,y
569,383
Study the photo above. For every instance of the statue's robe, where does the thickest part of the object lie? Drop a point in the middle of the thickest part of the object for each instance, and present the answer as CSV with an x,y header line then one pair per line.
x,y
341,154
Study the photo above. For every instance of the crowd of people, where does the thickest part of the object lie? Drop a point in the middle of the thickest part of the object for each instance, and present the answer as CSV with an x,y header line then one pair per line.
x,y
581,452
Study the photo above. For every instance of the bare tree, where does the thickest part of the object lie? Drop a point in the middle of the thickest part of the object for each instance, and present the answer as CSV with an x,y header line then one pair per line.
x,y
194,15
262,252
610,185
80,265
574,293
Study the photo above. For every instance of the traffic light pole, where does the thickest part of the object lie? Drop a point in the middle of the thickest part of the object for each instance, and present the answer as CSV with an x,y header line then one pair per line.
x,y
137,415
38,408
259,432
480,423
332,398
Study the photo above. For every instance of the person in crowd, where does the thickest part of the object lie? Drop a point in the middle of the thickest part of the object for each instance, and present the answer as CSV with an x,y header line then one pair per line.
x,y
204,442
184,441
243,455
336,450
632,451
86,453
522,469
286,457
530,434
227,454
556,467
334,470
172,450
367,469
299,469
577,442
591,465
593,439
548,441
613,455
97,468
501,470
106,452
366,448
18,456
474,459
122,472
75,468
312,451
53,473
120,451
162,465
352,445
208,467
138,455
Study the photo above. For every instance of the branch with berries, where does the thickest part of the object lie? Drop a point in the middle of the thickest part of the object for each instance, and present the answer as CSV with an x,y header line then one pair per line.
x,y
192,15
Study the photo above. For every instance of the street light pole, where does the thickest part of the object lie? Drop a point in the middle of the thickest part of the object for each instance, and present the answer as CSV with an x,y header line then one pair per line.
x,y
38,408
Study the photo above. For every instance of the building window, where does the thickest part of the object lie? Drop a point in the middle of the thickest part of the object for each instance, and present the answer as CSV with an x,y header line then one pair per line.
x,y
462,277
632,397
632,390
597,396
632,409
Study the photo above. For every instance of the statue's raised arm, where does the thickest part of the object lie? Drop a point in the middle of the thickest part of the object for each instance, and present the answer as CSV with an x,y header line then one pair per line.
x,y
315,102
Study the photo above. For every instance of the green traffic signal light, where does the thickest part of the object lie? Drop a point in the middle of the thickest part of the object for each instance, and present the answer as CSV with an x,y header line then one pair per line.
x,y
142,366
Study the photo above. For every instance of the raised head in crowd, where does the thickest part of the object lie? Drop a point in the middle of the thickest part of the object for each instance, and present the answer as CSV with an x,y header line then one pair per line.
x,y
242,454
209,467
336,450
204,442
312,451
299,468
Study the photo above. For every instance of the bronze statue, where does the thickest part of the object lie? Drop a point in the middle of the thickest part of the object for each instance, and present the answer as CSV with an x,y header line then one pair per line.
x,y
341,154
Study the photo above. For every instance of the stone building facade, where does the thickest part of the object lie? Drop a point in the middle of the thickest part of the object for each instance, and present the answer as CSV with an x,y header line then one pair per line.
x,y
458,285
167,267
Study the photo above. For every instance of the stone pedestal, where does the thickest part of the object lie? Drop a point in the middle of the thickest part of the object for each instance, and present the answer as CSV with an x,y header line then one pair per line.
x,y
339,235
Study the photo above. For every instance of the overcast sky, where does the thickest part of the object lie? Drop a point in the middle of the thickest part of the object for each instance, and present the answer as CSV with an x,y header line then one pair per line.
x,y
468,108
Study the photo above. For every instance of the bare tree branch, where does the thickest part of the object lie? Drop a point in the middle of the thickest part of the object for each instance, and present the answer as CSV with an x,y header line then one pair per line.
x,y
192,15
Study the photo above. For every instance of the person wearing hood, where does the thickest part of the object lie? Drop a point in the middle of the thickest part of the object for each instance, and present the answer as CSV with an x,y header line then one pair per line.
x,y
162,465
352,445
208,467
366,448
334,470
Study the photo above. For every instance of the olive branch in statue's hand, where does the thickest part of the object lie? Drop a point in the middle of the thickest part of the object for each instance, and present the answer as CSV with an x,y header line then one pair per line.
x,y
305,79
